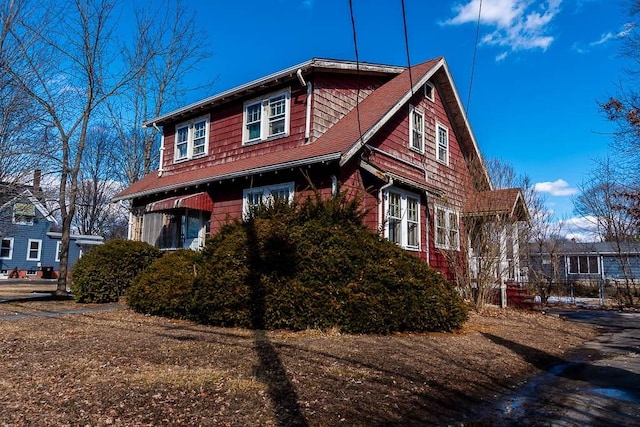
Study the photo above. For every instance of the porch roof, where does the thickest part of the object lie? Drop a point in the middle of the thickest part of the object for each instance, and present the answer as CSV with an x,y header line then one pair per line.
x,y
508,201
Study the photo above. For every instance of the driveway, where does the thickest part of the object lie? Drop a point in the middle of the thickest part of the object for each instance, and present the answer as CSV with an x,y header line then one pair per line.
x,y
599,385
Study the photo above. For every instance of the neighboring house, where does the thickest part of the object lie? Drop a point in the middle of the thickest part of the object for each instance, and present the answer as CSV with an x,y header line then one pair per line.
x,y
585,262
29,243
397,137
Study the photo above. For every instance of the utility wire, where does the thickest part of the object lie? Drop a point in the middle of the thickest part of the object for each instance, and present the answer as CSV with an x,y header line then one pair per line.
x,y
473,62
355,47
406,43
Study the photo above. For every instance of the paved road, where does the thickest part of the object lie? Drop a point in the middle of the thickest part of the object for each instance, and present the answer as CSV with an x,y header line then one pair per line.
x,y
598,386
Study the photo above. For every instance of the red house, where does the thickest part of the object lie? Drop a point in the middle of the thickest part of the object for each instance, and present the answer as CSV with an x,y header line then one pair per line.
x,y
397,136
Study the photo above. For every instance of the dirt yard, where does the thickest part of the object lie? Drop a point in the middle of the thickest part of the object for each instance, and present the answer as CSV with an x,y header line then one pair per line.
x,y
120,368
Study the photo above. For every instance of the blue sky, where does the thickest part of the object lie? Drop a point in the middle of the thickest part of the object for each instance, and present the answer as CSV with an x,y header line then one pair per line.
x,y
540,68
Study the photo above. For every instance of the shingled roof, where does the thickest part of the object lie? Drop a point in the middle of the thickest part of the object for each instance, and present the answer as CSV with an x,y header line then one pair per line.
x,y
508,201
341,142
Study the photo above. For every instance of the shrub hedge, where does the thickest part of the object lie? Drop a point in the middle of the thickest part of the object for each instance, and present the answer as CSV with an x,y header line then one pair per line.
x,y
310,265
106,271
165,287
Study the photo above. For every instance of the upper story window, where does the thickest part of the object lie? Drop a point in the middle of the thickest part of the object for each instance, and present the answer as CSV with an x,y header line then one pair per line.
x,y
447,229
253,197
403,218
24,213
429,91
6,248
442,143
584,264
34,248
416,129
192,139
267,117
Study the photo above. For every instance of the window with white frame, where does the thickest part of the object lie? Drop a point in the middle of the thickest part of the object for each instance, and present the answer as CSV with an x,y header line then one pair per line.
x,y
253,197
447,229
442,143
416,129
58,249
402,225
429,91
584,264
266,117
192,139
6,248
34,248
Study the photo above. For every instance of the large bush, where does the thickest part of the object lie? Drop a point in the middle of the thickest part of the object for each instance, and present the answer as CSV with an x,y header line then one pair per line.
x,y
165,287
106,271
312,265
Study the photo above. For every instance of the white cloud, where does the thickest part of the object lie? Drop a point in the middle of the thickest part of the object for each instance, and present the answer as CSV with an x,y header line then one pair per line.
x,y
559,187
605,38
517,24
582,229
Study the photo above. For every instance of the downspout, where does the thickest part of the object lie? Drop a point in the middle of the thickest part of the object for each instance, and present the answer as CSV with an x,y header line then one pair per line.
x,y
380,205
307,123
160,170
427,227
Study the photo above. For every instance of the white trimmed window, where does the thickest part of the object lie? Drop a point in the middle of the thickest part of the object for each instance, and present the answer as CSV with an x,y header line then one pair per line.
x,y
34,247
429,91
442,143
252,197
416,129
192,139
402,218
267,117
584,264
6,248
447,229
58,249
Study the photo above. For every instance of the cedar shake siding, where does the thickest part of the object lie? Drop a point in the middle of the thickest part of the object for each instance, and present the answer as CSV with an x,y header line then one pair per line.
x,y
407,152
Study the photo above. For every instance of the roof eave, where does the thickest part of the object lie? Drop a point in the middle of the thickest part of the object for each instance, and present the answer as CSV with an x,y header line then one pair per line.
x,y
316,64
238,174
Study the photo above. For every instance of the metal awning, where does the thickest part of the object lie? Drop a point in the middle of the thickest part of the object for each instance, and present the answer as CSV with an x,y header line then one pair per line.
x,y
199,201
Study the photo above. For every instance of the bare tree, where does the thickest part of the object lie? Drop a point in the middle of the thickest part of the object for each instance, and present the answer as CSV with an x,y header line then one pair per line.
x,y
493,238
180,48
67,63
95,214
602,199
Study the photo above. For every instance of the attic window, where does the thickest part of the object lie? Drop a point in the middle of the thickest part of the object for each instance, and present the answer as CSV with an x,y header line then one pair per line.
x,y
24,213
191,139
429,91
267,117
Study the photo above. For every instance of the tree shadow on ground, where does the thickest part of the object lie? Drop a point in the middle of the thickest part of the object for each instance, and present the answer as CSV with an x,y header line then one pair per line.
x,y
270,369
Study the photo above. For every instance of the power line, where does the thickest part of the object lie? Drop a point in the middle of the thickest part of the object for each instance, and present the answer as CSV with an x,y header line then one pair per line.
x,y
406,43
355,47
473,62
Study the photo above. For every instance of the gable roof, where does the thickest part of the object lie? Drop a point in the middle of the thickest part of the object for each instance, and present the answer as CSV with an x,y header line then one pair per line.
x,y
339,143
586,248
508,201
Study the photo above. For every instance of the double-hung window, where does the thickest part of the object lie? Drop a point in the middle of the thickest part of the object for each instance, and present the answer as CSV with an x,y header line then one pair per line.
x,y
416,129
402,225
192,139
442,143
266,117
33,250
253,197
6,248
447,229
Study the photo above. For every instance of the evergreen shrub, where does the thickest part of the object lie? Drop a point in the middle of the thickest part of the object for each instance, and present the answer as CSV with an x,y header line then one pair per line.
x,y
106,271
165,288
315,265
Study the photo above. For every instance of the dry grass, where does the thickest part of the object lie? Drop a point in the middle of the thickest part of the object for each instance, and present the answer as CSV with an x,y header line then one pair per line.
x,y
124,369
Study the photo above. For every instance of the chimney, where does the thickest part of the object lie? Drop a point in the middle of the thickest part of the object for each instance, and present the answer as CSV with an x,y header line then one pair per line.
x,y
37,190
